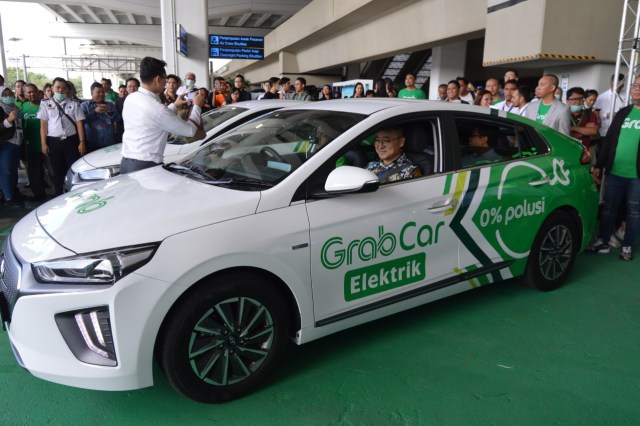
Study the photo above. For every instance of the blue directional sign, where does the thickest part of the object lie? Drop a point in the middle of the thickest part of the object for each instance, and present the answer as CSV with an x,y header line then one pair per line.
x,y
236,47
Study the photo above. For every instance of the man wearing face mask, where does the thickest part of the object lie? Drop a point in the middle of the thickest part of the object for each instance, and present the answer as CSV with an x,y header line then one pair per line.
x,y
584,124
189,84
10,148
61,131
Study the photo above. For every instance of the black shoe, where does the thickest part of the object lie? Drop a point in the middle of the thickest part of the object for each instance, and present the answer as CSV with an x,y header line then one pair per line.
x,y
14,202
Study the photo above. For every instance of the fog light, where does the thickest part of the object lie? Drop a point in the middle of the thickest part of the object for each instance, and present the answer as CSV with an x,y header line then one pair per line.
x,y
88,335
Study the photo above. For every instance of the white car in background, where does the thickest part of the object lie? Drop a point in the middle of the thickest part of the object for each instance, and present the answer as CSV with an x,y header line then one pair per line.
x,y
105,162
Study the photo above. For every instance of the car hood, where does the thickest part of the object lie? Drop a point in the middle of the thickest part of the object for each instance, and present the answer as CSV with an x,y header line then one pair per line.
x,y
104,157
142,207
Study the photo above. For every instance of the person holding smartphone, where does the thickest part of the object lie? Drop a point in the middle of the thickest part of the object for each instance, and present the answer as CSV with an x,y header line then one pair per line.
x,y
147,121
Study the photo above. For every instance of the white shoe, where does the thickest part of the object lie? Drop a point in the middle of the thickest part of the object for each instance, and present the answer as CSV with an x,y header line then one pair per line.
x,y
620,234
614,243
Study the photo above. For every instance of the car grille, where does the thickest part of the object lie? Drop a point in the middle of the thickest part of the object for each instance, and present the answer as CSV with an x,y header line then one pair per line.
x,y
10,270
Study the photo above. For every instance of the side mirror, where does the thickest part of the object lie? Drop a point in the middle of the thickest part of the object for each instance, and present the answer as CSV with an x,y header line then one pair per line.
x,y
348,179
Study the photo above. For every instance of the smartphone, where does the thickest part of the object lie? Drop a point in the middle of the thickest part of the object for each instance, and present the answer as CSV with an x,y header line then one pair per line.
x,y
190,95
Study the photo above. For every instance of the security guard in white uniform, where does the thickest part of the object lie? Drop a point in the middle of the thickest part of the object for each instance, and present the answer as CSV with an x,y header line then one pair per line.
x,y
61,131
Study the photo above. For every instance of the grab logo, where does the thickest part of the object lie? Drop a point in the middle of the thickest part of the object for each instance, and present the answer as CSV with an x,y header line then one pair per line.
x,y
631,124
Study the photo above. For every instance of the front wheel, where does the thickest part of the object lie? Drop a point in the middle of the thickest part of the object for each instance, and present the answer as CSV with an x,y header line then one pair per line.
x,y
223,338
553,253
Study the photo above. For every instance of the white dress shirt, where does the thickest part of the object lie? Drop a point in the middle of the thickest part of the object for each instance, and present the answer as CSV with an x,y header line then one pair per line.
x,y
147,123
603,103
502,106
58,125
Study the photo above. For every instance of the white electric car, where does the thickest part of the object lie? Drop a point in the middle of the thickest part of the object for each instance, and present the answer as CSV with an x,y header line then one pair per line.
x,y
105,162
277,230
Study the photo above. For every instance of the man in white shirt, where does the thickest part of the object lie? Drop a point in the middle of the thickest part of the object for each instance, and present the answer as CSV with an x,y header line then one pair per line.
x,y
521,98
508,105
147,122
189,84
603,104
61,131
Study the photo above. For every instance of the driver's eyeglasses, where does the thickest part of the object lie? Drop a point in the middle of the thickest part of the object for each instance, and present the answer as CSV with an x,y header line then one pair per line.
x,y
635,86
385,141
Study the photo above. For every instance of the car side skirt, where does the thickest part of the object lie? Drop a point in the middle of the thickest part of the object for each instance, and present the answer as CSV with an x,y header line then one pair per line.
x,y
465,276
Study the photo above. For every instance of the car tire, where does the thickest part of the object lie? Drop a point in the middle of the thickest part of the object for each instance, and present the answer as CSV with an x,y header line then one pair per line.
x,y
553,253
223,338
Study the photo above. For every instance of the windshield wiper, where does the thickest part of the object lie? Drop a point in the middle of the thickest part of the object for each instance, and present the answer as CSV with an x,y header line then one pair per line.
x,y
195,171
249,182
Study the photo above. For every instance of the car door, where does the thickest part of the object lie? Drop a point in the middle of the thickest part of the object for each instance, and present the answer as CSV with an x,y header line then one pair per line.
x,y
507,190
369,249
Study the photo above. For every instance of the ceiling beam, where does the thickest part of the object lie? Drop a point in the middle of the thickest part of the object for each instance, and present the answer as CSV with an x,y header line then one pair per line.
x,y
149,35
244,19
112,15
131,18
91,13
263,19
71,12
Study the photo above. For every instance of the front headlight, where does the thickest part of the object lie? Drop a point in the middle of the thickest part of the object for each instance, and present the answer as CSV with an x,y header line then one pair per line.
x,y
94,268
99,174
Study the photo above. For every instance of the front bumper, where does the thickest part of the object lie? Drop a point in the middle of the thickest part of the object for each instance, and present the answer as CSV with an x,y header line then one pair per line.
x,y
59,335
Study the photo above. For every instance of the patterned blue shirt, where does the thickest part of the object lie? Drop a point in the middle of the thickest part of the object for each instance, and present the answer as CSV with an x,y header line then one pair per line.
x,y
99,127
399,169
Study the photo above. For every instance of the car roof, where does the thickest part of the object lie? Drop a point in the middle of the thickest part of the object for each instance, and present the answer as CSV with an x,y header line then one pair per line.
x,y
261,104
370,106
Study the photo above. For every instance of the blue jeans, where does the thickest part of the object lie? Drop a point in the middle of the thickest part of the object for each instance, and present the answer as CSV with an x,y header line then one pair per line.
x,y
9,163
615,188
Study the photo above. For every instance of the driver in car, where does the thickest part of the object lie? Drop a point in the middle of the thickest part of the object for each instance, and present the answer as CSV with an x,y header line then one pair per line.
x,y
393,164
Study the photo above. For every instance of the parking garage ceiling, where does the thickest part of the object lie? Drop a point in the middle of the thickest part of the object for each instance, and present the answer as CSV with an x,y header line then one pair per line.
x,y
115,23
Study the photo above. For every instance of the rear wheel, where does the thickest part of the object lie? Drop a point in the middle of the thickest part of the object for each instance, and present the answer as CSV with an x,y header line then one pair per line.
x,y
223,338
553,253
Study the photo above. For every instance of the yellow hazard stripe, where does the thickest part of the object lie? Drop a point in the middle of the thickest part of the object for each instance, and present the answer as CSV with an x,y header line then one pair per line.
x,y
540,56
461,179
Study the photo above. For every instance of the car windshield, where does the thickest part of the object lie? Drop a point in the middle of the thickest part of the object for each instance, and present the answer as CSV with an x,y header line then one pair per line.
x,y
266,150
210,120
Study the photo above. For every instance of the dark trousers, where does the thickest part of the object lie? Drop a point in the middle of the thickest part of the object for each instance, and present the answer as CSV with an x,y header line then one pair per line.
x,y
63,153
35,168
129,165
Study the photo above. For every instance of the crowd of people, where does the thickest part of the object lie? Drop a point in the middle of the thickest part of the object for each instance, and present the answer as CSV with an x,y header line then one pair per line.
x,y
50,128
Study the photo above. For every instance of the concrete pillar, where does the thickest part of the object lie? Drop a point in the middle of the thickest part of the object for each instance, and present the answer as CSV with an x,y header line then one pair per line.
x,y
447,63
353,71
193,16
3,63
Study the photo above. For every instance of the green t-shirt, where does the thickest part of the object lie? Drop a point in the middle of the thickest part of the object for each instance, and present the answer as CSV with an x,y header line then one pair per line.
x,y
31,126
111,96
412,94
543,110
626,159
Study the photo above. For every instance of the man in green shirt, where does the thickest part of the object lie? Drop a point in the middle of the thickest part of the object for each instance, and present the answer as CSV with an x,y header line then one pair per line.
x,y
619,158
109,94
411,91
36,160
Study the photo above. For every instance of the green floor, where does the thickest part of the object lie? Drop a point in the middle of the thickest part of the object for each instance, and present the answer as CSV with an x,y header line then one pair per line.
x,y
502,355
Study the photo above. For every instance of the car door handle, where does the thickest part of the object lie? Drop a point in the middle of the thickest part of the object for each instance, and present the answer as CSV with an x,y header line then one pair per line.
x,y
540,182
449,204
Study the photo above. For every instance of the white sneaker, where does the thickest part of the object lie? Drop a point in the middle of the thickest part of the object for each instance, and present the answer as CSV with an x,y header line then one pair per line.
x,y
620,234
614,243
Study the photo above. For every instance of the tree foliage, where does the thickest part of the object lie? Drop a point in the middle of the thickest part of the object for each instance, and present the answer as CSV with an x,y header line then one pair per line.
x,y
36,78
